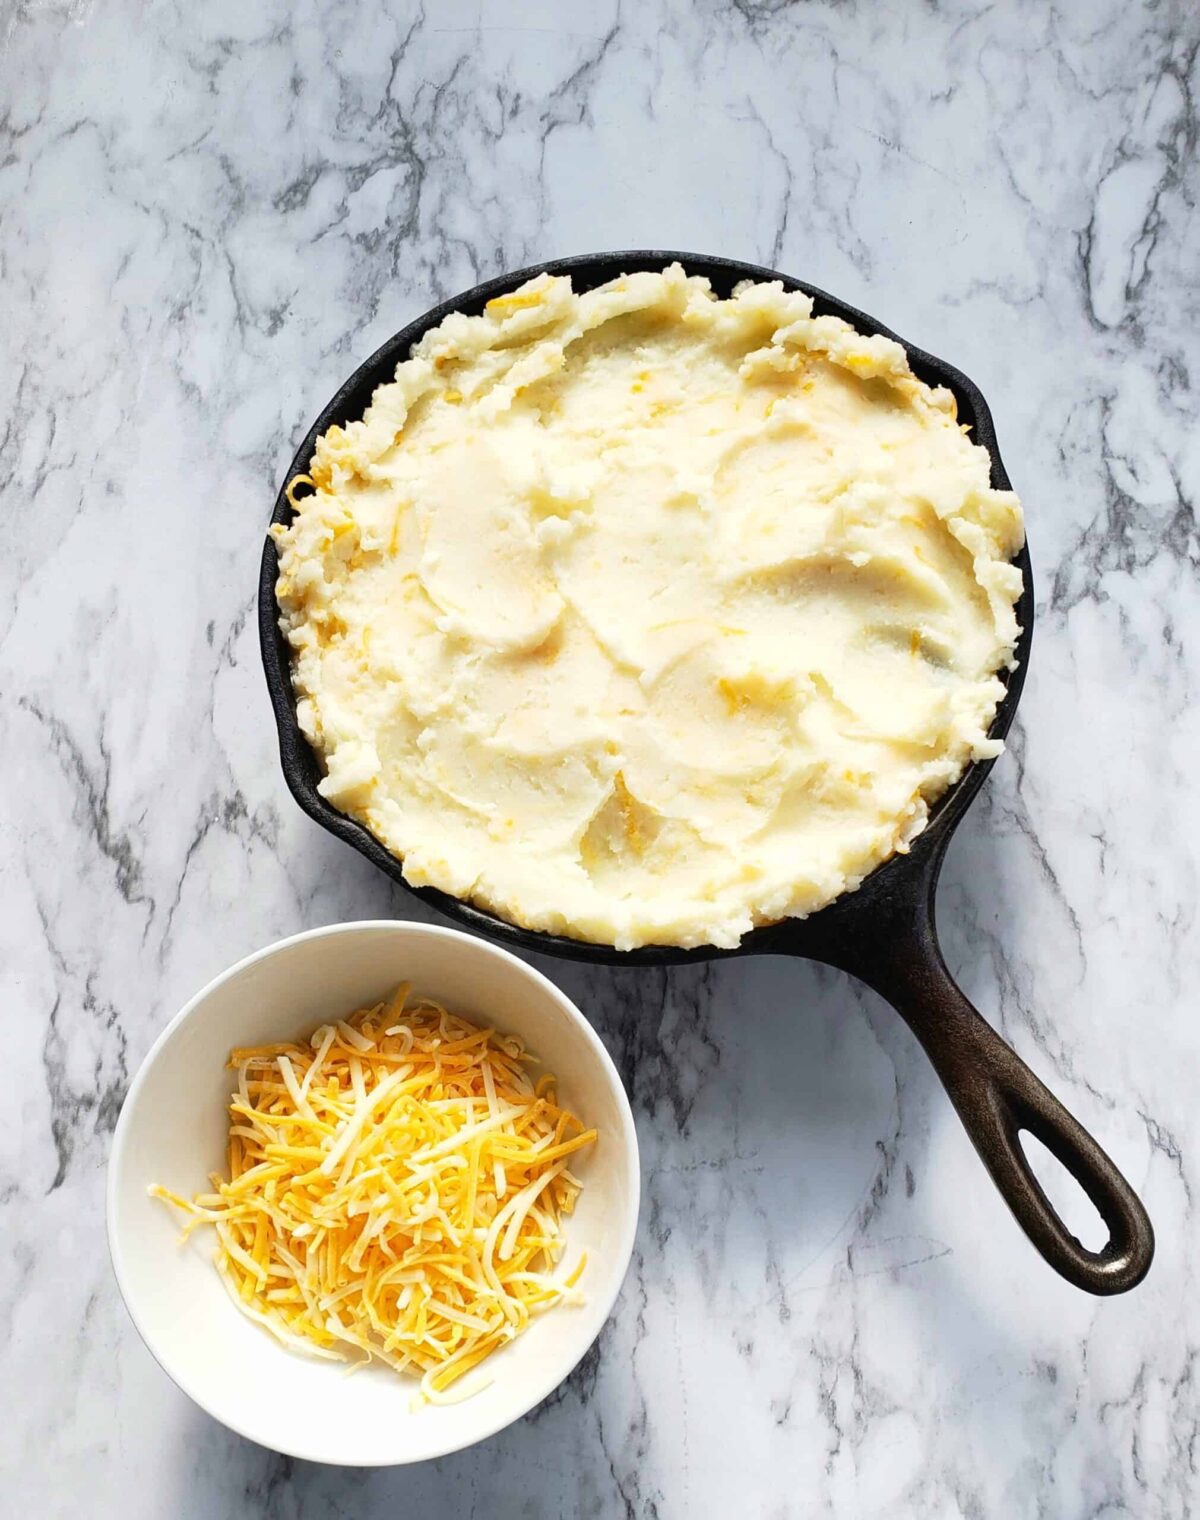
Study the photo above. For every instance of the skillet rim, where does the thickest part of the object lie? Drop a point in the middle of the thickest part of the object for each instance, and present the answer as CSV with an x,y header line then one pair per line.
x,y
793,936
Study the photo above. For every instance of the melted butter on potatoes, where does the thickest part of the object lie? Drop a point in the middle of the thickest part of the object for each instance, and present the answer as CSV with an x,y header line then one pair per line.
x,y
644,616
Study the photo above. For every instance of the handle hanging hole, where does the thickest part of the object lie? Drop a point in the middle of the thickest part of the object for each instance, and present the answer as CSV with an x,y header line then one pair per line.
x,y
1067,1198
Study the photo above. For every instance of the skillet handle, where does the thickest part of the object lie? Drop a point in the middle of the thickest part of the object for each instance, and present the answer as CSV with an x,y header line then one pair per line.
x,y
997,1096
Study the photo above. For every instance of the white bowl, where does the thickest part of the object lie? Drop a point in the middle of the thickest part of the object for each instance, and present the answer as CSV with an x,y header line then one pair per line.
x,y
172,1130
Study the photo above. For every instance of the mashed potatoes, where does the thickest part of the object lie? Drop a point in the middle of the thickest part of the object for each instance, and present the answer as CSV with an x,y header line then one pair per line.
x,y
646,617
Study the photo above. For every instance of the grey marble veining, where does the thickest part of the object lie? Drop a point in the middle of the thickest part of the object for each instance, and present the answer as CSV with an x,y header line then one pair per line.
x,y
210,214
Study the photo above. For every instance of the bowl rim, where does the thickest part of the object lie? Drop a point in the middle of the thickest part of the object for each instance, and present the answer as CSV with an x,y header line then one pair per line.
x,y
623,1242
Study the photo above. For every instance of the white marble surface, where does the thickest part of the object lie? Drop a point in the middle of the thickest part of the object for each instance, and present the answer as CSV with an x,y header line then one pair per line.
x,y
210,213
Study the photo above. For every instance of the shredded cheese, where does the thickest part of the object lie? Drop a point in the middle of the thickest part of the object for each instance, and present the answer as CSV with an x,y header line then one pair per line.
x,y
397,1189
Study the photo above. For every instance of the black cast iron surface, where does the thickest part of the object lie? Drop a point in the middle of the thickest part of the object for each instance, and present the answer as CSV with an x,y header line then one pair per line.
x,y
885,933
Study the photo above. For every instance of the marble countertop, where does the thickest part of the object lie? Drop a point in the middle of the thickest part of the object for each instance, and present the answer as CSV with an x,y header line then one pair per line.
x,y
211,214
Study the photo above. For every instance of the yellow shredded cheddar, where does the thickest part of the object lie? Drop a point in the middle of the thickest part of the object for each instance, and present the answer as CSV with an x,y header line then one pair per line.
x,y
397,1187
297,480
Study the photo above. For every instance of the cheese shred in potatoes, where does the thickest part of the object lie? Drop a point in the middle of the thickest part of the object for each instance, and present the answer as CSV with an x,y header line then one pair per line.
x,y
397,1188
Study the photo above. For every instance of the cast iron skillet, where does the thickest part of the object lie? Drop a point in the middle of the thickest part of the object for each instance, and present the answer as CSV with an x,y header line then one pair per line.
x,y
885,933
